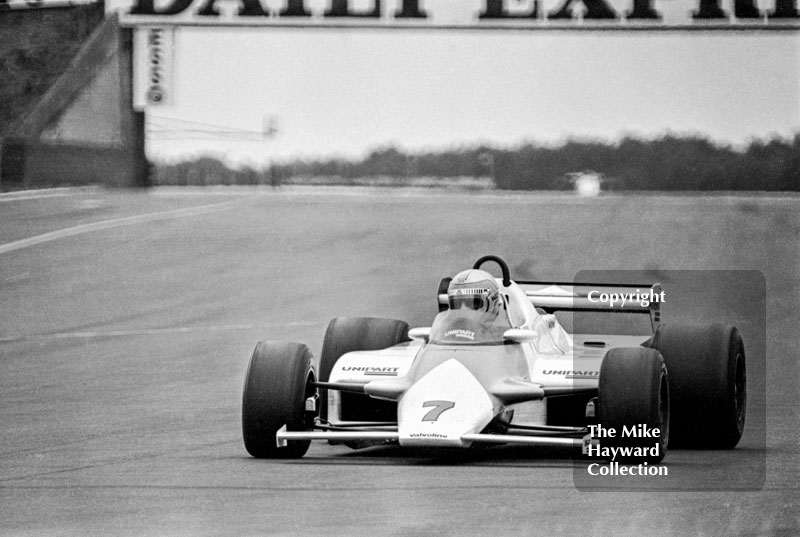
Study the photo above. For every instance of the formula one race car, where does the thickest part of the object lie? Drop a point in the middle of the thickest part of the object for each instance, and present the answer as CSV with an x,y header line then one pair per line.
x,y
495,344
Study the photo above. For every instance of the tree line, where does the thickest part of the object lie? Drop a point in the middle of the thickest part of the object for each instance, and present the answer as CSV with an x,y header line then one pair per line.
x,y
667,163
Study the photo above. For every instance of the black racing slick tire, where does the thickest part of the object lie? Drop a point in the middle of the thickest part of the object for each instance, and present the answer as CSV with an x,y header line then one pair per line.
x,y
708,383
279,380
348,334
634,397
444,285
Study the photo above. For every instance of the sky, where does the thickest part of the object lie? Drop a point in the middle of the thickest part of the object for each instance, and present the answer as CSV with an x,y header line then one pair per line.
x,y
344,92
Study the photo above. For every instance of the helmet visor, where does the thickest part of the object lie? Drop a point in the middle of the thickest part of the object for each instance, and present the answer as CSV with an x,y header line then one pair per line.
x,y
472,302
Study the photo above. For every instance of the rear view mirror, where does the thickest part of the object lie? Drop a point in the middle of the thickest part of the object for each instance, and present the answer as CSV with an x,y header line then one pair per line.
x,y
520,335
420,334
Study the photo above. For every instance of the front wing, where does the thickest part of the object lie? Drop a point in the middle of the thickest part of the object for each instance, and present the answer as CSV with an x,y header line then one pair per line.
x,y
283,436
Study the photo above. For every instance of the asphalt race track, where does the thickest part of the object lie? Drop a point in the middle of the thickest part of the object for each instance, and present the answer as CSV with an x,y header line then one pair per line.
x,y
127,319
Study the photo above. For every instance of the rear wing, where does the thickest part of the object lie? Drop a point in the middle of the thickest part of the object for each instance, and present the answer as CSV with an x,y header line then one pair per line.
x,y
556,296
627,298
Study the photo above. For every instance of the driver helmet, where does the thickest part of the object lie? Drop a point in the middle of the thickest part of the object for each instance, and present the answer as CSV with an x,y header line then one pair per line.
x,y
476,290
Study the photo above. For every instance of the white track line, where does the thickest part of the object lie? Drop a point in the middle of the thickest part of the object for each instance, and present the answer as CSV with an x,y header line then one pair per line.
x,y
108,224
157,331
41,193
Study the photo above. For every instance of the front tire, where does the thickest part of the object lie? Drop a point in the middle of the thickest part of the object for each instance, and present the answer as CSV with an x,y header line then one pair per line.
x,y
634,392
708,382
279,380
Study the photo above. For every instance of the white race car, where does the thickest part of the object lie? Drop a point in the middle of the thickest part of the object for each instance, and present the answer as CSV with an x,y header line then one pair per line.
x,y
495,344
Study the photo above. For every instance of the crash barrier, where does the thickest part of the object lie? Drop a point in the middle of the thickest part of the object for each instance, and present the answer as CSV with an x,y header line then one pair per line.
x,y
36,163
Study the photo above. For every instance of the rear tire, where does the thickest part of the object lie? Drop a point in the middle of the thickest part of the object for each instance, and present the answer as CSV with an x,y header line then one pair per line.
x,y
708,383
634,391
348,334
444,285
279,380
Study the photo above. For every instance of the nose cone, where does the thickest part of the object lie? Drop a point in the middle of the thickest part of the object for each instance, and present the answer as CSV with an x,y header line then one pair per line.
x,y
445,404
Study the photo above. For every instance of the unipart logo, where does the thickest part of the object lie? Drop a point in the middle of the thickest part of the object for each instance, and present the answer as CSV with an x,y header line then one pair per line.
x,y
467,334
372,370
570,373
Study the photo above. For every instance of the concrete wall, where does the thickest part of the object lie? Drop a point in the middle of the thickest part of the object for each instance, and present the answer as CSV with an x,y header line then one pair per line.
x,y
83,130
32,164
94,115
36,48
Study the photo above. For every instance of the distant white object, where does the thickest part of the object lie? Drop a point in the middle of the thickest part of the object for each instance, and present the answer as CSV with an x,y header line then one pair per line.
x,y
587,183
